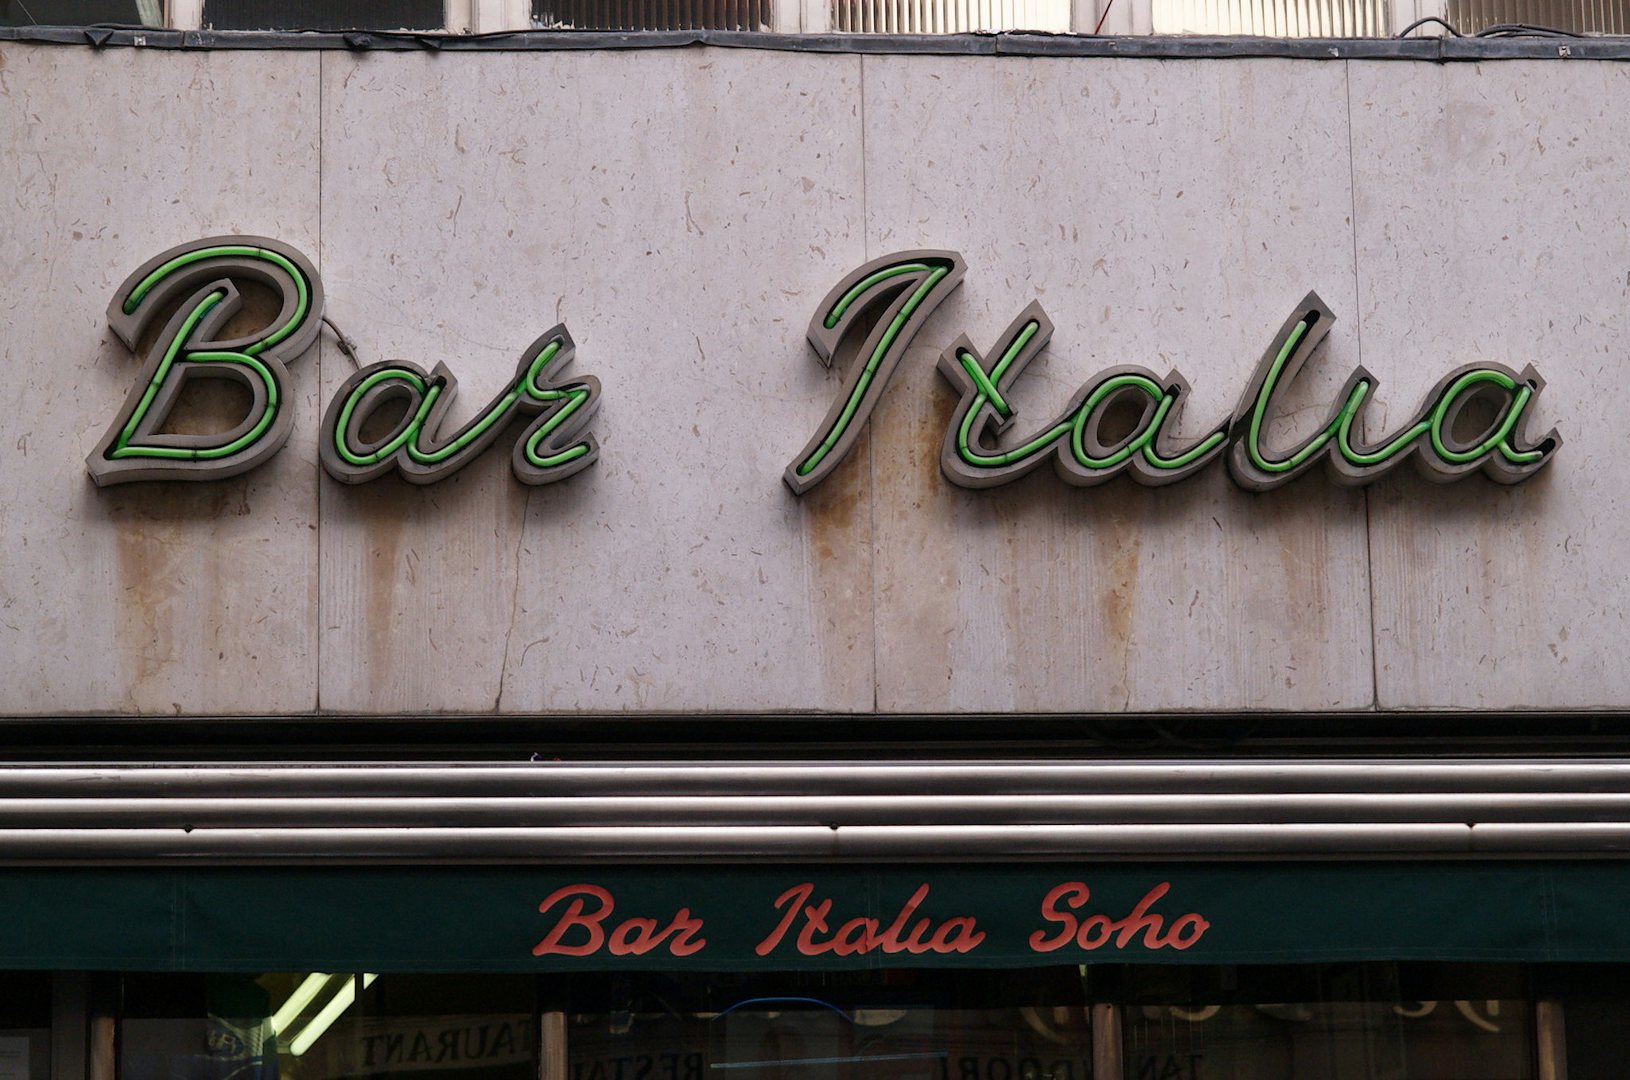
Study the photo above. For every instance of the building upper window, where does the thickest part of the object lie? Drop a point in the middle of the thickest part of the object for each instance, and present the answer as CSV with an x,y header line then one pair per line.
x,y
81,12
325,15
949,16
1275,18
1571,16
660,15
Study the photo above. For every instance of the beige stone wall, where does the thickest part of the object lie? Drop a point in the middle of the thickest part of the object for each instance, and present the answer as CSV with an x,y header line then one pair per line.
x,y
683,212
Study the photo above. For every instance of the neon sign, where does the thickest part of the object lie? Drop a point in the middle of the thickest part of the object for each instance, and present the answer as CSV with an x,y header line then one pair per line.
x,y
196,288
549,449
900,289
201,278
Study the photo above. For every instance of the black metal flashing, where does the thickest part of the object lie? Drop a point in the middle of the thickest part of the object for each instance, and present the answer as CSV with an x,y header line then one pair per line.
x,y
1154,47
1398,735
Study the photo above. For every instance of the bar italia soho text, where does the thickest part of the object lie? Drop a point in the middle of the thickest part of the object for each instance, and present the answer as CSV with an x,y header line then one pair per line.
x,y
584,921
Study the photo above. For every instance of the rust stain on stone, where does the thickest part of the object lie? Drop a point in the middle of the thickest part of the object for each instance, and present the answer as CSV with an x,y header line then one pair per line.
x,y
838,539
149,555
379,506
175,579
1119,598
1137,513
917,543
831,506
1304,558
171,579
928,441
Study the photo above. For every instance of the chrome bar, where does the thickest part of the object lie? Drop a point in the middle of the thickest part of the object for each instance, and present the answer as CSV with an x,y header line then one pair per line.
x,y
824,810
550,812
798,778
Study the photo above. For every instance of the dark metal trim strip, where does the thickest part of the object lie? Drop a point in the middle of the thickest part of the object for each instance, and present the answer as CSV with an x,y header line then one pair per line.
x,y
1159,47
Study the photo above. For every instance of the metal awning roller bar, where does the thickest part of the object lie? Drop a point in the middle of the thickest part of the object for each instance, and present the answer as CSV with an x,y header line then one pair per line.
x,y
548,812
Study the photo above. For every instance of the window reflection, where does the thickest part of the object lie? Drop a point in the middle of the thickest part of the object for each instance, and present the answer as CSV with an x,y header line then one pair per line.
x,y
1339,1040
327,1026
877,1025
25,1026
216,1030
1344,1022
798,1042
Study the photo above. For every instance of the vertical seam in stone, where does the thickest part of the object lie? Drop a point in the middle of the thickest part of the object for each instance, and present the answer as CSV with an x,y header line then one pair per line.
x,y
871,440
322,150
1358,326
514,599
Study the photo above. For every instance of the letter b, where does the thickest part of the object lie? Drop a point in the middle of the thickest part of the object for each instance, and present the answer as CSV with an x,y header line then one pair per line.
x,y
574,917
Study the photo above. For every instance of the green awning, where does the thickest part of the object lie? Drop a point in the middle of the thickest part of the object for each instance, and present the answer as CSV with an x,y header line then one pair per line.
x,y
705,917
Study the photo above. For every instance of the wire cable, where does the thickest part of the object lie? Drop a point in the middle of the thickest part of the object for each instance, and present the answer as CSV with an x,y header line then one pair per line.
x,y
1524,30
1422,22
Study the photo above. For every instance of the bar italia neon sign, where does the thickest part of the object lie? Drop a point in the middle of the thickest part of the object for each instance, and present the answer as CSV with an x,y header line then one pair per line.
x,y
900,290
200,277
894,295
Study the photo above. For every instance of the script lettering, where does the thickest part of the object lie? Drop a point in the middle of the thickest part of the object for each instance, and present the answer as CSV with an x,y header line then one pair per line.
x,y
861,935
981,448
907,286
202,276
631,937
547,451
1097,930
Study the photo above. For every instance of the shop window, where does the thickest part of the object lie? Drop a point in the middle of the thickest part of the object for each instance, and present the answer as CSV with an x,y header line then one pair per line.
x,y
1426,1040
654,14
889,1025
81,12
1275,18
25,1026
798,1038
324,15
1371,1021
1341,1022
321,1026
